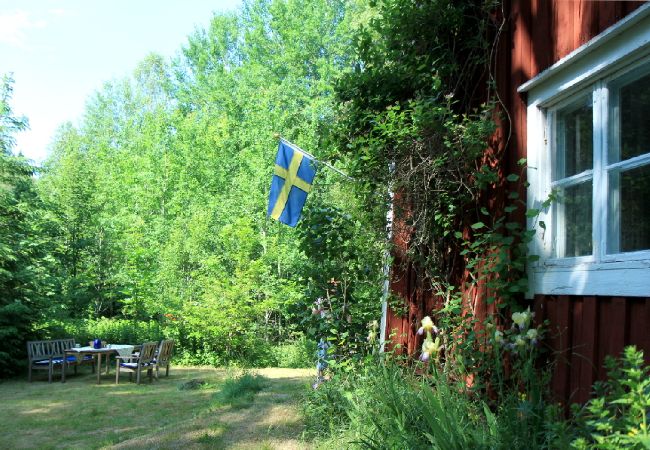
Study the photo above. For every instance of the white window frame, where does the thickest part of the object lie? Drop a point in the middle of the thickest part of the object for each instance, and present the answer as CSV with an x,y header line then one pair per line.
x,y
620,49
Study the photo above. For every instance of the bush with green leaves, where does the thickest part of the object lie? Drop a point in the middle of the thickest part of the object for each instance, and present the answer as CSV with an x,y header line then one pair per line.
x,y
297,353
619,414
343,280
111,330
239,391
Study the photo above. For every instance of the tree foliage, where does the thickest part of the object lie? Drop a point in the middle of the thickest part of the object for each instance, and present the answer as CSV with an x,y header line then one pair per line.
x,y
158,198
25,247
414,115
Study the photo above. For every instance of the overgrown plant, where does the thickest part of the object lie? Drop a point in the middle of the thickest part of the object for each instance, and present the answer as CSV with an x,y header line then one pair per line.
x,y
415,118
342,281
390,406
239,391
619,414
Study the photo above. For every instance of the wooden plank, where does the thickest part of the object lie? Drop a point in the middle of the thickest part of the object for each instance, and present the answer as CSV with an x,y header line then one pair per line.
x,y
399,285
524,58
540,309
628,7
604,327
639,331
589,344
587,26
619,325
576,358
564,13
612,331
606,15
543,40
561,327
408,326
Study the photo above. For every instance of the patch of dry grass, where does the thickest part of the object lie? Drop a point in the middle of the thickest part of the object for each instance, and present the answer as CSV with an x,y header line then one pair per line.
x,y
81,414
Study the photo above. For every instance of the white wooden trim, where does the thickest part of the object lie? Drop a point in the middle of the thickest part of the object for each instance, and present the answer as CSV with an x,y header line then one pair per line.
x,y
604,279
573,179
632,163
599,192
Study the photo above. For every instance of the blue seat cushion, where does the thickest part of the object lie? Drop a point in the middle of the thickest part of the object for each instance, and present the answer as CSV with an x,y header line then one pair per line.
x,y
45,362
70,358
133,366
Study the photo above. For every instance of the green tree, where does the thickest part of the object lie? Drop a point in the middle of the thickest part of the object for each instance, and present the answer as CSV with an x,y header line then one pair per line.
x,y
160,194
25,261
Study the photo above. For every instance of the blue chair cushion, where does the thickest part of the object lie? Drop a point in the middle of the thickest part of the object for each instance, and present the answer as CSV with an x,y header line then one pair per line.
x,y
133,366
45,362
70,358
42,362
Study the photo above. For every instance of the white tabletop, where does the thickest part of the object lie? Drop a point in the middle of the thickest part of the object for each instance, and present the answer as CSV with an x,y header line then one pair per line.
x,y
121,349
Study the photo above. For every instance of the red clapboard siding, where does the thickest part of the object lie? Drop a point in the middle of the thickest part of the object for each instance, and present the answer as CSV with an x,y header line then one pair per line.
x,y
584,330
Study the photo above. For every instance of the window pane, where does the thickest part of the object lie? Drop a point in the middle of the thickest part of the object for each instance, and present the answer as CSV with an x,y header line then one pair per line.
x,y
574,141
629,200
574,217
635,118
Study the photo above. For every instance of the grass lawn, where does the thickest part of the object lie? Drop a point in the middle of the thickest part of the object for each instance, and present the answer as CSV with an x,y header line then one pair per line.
x,y
81,414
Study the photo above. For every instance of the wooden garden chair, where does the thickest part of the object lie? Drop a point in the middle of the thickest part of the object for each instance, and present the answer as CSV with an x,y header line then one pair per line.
x,y
143,361
46,355
164,356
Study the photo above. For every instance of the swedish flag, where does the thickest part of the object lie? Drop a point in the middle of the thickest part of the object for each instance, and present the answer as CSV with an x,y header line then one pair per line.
x,y
292,178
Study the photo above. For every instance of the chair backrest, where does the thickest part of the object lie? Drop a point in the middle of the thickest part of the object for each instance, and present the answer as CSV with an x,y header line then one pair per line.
x,y
147,352
44,349
165,352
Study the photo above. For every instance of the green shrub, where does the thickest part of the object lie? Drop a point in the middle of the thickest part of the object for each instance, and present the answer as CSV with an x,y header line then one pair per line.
x,y
619,414
117,331
58,329
122,330
386,407
396,410
239,391
325,409
296,354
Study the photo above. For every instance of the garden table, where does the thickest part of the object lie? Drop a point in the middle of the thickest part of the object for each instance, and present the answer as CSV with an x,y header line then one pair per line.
x,y
120,349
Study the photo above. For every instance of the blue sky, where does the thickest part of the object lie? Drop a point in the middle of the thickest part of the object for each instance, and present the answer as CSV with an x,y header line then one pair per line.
x,y
61,51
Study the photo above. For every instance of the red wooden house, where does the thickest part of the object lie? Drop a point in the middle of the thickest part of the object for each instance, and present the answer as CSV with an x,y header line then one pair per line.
x,y
575,78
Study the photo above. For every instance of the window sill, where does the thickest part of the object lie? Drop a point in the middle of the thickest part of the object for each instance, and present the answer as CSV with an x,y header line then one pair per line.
x,y
616,278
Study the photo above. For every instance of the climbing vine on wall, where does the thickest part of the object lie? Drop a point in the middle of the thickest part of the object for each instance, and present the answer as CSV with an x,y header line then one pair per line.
x,y
416,112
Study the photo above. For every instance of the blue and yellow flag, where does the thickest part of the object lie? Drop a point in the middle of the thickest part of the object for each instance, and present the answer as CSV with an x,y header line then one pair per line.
x,y
292,179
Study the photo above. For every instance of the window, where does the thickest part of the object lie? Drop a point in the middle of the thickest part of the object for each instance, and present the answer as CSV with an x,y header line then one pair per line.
x,y
589,149
604,136
628,163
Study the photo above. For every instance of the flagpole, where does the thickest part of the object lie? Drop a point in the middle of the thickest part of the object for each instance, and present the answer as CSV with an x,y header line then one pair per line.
x,y
294,146
387,266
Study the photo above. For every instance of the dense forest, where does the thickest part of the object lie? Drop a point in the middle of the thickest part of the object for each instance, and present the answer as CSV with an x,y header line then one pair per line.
x,y
148,219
